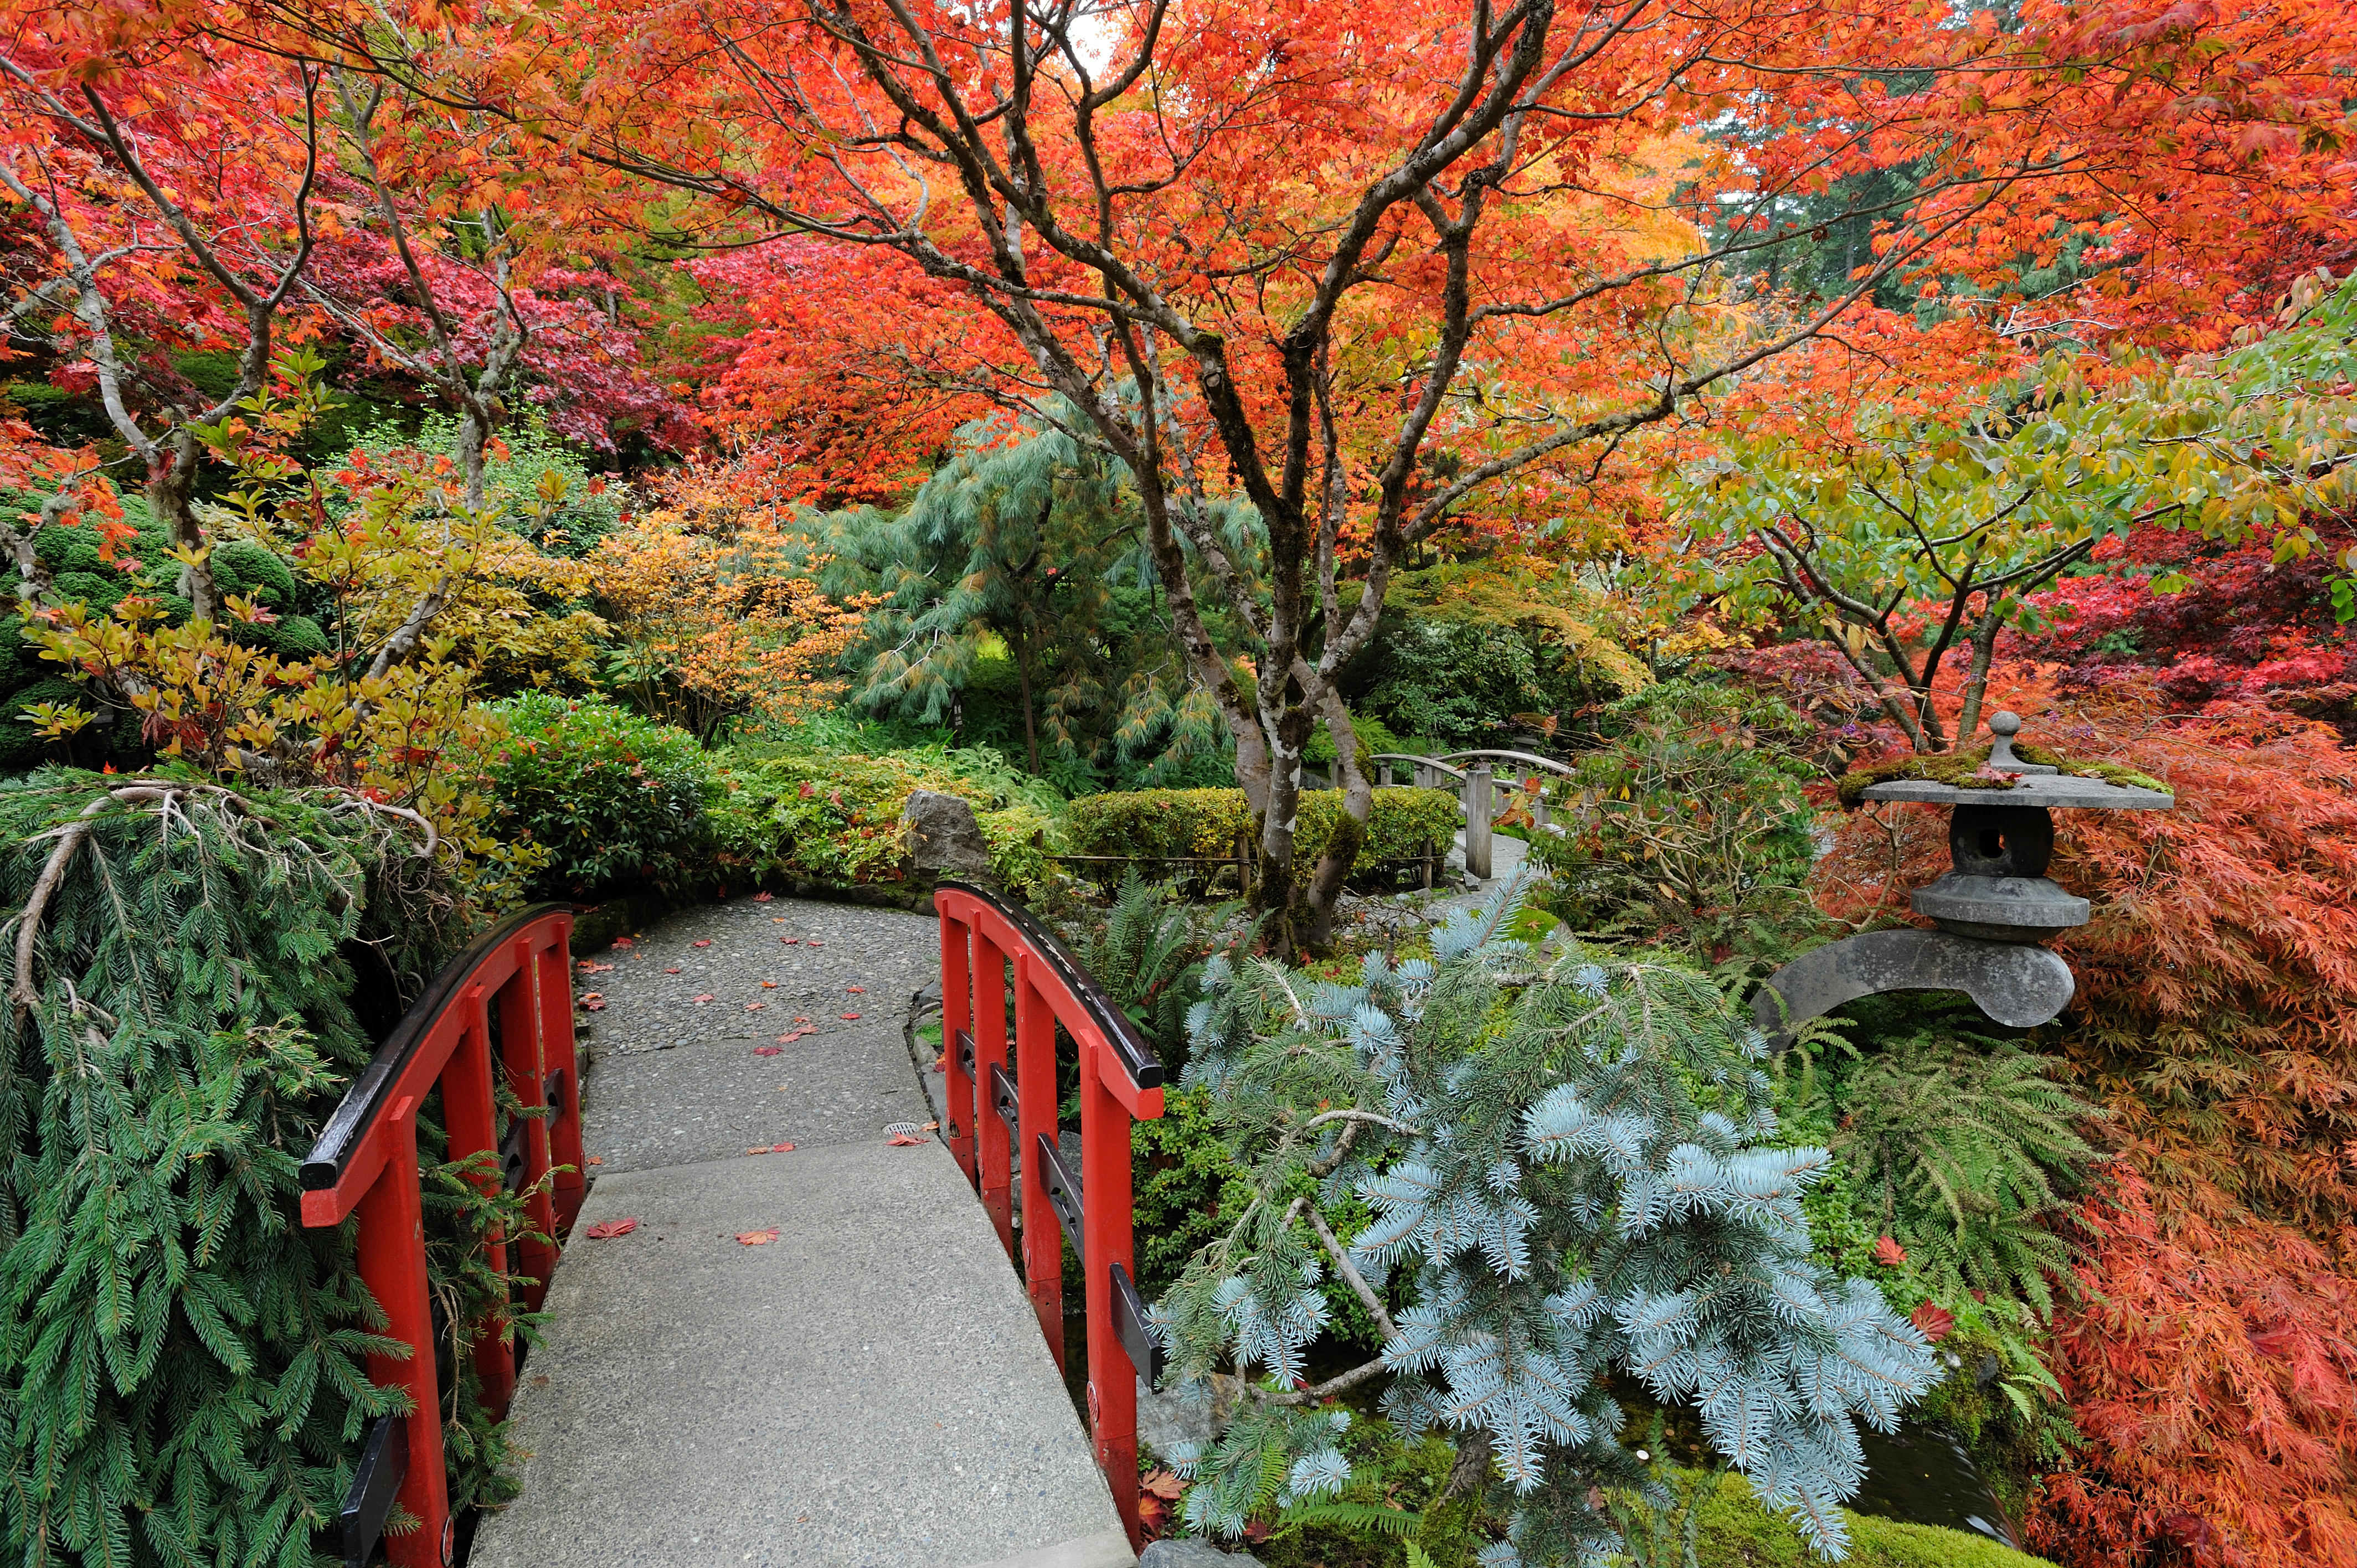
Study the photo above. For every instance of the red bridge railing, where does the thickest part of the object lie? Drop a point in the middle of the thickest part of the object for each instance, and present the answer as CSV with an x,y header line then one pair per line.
x,y
994,1112
504,1005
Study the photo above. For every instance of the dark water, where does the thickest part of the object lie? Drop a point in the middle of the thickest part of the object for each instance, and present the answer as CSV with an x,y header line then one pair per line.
x,y
1922,1475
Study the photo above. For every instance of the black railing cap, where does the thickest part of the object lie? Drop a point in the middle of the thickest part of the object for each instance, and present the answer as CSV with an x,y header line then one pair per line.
x,y
364,1101
1138,1058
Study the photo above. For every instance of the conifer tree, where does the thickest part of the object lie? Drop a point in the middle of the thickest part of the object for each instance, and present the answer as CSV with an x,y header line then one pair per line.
x,y
1021,537
1577,1160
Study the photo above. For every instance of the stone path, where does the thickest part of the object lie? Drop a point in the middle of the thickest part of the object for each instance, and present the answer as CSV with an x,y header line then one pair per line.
x,y
867,1388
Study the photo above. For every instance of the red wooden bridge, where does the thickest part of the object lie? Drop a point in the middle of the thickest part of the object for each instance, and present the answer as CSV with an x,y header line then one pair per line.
x,y
870,1386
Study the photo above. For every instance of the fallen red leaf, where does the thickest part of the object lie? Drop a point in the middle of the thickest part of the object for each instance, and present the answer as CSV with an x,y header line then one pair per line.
x,y
763,897
1887,1252
755,1006
781,1148
769,986
856,990
801,1018
1934,1319
1162,1484
621,941
758,1237
699,1001
813,942
704,943
595,1160
673,970
851,1016
607,1229
905,1141
941,1062
597,1004
765,1050
791,942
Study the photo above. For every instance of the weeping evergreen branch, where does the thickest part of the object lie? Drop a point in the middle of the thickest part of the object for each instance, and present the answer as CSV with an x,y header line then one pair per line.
x,y
182,1365
1577,1160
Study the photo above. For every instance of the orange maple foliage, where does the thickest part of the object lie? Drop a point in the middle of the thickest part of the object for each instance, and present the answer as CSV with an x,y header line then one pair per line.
x,y
717,589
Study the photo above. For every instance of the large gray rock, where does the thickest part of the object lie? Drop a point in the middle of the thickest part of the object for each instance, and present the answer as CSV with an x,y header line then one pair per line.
x,y
1185,1553
1166,1420
942,840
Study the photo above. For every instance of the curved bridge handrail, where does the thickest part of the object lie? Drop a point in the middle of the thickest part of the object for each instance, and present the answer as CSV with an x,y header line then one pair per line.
x,y
1548,764
1098,1012
365,1163
999,1121
1432,762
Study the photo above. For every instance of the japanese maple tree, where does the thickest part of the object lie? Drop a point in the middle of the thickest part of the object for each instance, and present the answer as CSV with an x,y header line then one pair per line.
x,y
1369,273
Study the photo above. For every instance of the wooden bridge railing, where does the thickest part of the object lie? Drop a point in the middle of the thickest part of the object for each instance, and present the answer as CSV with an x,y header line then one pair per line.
x,y
994,1112
1476,790
504,1005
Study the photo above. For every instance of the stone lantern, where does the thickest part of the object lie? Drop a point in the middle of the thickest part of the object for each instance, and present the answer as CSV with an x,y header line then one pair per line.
x,y
1994,908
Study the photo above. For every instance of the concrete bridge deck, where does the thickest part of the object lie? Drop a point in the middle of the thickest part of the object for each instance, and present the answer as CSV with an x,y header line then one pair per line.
x,y
866,1390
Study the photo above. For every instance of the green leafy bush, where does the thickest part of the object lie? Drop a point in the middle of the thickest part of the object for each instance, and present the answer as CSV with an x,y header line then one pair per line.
x,y
837,819
1175,823
1686,828
611,795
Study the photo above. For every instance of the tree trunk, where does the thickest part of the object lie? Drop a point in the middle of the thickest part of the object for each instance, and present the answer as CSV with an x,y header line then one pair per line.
x,y
171,487
1976,678
1350,833
474,434
1030,721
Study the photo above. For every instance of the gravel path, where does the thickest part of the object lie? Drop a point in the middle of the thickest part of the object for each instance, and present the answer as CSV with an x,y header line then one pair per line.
x,y
729,1026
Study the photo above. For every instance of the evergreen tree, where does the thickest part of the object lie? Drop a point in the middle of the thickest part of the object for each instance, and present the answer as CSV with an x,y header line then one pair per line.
x,y
183,1373
1576,1158
1028,538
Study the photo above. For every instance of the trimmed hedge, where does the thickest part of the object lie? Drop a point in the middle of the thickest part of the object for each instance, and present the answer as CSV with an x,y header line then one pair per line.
x,y
1179,824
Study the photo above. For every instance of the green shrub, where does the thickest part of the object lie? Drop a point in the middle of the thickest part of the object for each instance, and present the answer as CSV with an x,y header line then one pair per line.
x,y
1689,831
611,795
1176,823
837,819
